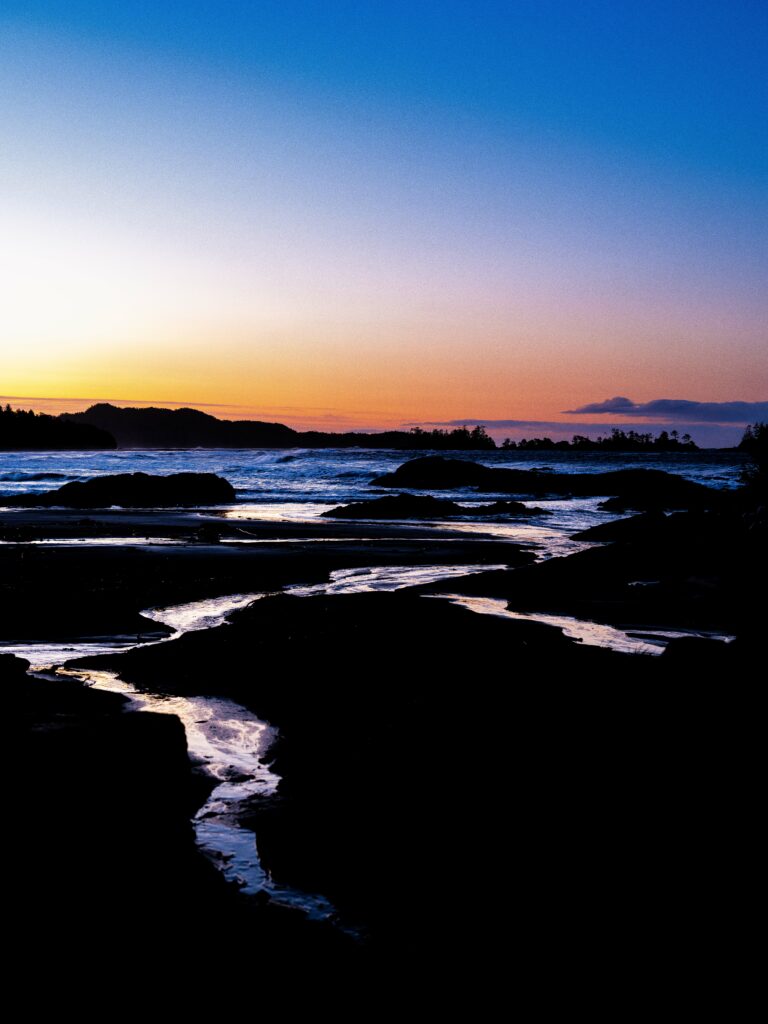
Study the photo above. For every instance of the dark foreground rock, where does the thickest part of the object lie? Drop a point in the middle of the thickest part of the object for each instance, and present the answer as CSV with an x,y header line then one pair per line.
x,y
437,473
646,489
448,776
134,490
12,670
423,506
104,855
689,570
51,593
645,527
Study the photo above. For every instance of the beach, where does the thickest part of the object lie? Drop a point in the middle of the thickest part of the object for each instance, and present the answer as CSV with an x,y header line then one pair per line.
x,y
361,767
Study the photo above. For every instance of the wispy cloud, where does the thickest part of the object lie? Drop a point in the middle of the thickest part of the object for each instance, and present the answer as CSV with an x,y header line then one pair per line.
x,y
678,409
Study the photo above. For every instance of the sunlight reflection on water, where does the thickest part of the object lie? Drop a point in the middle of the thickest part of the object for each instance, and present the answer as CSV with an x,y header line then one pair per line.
x,y
594,634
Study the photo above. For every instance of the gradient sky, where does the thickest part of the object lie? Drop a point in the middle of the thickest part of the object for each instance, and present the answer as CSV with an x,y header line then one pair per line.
x,y
367,214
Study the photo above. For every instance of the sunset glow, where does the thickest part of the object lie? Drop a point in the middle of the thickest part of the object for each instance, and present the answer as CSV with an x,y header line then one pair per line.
x,y
346,219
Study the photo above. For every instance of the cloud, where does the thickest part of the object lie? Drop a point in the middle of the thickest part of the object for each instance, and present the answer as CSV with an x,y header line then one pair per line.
x,y
679,409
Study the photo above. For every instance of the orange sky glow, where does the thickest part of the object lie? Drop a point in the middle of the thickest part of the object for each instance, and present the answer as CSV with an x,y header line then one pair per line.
x,y
267,238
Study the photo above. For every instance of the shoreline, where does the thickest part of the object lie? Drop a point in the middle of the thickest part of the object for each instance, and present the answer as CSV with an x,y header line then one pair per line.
x,y
427,753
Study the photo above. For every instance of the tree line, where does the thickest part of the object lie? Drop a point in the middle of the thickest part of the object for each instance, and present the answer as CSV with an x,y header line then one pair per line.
x,y
616,441
25,430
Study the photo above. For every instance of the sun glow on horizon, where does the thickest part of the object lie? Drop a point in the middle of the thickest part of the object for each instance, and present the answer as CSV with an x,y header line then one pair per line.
x,y
291,227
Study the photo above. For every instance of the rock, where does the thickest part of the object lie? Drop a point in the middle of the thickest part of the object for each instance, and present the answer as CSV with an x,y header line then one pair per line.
x,y
510,508
434,472
135,490
12,669
652,490
689,651
208,534
422,506
656,527
550,754
642,527
647,489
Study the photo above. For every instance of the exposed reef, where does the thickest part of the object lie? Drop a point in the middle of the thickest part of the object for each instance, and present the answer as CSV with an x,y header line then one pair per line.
x,y
444,771
646,489
133,490
423,506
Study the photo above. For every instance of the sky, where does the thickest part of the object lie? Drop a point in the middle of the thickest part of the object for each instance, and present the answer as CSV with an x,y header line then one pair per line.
x,y
368,214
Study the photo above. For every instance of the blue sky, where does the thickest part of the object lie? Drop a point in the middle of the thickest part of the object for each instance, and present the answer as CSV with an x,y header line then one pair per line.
x,y
385,211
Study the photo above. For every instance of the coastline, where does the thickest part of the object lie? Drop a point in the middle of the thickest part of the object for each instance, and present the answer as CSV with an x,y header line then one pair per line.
x,y
427,753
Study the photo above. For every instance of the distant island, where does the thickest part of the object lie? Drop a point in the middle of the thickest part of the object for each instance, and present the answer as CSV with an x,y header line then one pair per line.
x,y
190,428
106,426
617,441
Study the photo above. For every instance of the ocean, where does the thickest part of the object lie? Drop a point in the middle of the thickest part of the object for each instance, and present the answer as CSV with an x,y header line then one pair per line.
x,y
295,481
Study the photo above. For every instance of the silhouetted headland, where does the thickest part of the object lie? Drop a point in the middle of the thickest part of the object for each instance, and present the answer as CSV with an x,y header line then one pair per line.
x,y
107,426
24,430
190,428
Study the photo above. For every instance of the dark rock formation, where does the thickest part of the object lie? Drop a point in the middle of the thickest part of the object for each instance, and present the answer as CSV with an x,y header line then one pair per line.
x,y
651,528
71,592
647,489
511,508
444,771
103,844
688,570
697,652
435,473
107,832
12,670
135,490
644,526
422,506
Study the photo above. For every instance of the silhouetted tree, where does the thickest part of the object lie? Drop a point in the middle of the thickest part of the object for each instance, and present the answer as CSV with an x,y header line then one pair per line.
x,y
754,474
25,430
618,441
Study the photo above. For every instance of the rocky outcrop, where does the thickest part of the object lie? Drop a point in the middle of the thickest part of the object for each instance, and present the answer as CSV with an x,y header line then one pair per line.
x,y
435,473
646,489
641,527
103,841
106,835
698,652
12,669
423,506
134,490
688,570
424,751
658,527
